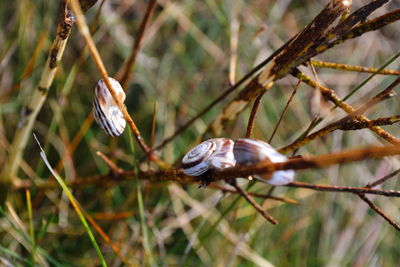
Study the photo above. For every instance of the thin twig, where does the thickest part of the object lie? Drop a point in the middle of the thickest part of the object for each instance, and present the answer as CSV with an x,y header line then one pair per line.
x,y
153,126
345,126
250,124
346,67
345,189
383,179
330,95
105,237
380,212
113,168
284,111
264,196
224,94
254,203
126,72
321,161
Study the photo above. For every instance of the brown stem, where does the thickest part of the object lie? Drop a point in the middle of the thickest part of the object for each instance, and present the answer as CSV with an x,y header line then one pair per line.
x,y
254,203
284,111
256,105
264,196
380,212
345,189
383,179
124,75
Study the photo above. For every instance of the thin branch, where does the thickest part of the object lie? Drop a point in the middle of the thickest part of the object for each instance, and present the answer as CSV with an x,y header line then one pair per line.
x,y
320,161
345,189
284,111
380,212
113,167
331,96
250,124
124,75
224,94
280,65
264,196
254,203
345,124
383,179
346,67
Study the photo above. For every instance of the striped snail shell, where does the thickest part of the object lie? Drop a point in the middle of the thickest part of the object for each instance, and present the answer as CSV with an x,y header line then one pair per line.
x,y
250,152
105,110
216,153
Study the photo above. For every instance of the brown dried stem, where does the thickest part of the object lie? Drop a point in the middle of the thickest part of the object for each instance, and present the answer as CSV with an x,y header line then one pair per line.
x,y
337,33
252,119
346,124
331,96
321,161
391,221
264,196
383,179
113,167
253,203
345,189
367,26
284,111
125,73
346,67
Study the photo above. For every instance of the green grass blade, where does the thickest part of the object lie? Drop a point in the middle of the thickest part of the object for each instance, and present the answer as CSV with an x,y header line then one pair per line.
x,y
74,203
146,243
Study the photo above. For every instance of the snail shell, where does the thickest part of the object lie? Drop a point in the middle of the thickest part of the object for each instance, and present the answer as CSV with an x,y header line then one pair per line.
x,y
105,110
250,152
216,153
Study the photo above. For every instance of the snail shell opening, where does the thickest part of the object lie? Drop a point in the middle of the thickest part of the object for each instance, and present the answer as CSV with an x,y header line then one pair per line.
x,y
216,153
105,109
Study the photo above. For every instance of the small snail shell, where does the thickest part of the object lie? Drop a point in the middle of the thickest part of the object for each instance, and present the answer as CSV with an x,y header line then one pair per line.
x,y
105,110
249,152
216,153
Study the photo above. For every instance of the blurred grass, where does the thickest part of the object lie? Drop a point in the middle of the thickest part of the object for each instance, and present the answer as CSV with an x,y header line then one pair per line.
x,y
181,71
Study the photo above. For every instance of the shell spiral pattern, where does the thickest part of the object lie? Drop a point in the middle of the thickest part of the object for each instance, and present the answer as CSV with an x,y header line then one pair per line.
x,y
220,153
105,110
216,153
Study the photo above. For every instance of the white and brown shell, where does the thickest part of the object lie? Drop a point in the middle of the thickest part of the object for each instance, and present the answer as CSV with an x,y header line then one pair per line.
x,y
250,152
105,110
216,153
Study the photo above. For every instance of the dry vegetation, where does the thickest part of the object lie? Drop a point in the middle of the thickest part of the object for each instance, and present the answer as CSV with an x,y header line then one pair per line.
x,y
191,70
